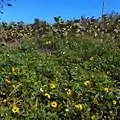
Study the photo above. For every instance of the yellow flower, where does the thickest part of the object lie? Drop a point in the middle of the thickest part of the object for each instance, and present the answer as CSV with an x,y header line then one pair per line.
x,y
47,95
87,83
33,43
67,110
79,94
95,101
106,90
8,55
52,86
69,91
93,117
54,104
114,102
7,81
13,86
67,41
13,69
91,58
48,42
15,109
79,107
108,72
4,100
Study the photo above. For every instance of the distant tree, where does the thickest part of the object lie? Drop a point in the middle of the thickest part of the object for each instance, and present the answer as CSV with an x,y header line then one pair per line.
x,y
2,3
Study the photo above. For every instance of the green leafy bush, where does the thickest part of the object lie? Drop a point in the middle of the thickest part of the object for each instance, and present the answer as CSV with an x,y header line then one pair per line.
x,y
79,80
68,70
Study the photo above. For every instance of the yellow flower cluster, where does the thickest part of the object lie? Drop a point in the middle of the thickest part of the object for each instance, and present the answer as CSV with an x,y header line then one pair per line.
x,y
48,42
8,81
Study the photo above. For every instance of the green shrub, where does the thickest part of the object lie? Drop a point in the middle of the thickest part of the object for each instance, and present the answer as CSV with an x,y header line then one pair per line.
x,y
79,80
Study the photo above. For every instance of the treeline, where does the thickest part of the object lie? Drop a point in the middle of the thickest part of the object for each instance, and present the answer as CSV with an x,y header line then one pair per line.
x,y
106,27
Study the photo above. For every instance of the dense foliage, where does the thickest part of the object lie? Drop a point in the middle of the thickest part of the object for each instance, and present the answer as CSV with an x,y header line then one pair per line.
x,y
106,27
69,70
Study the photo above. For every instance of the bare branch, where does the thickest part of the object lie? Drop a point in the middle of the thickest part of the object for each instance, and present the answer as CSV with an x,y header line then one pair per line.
x,y
103,7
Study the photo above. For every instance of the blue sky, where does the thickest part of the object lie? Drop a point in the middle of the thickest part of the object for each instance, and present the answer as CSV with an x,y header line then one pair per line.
x,y
28,10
